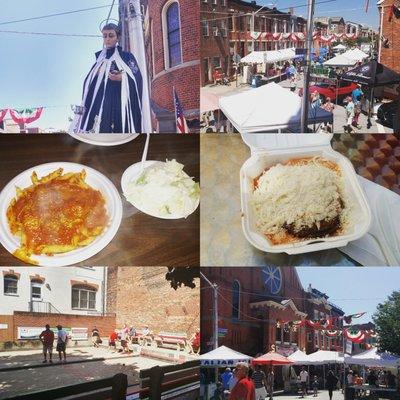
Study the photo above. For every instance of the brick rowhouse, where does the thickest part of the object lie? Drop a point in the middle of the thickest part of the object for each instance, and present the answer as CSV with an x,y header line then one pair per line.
x,y
390,35
142,296
254,328
185,76
226,30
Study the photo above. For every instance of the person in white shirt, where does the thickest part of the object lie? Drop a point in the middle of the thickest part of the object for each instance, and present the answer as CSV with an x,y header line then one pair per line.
x,y
303,381
62,339
350,379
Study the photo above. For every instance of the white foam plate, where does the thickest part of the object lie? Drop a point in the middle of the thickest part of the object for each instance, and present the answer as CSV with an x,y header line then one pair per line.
x,y
105,139
96,180
132,173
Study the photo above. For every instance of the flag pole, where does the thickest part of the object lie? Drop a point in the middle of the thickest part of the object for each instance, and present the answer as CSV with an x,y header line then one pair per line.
x,y
176,116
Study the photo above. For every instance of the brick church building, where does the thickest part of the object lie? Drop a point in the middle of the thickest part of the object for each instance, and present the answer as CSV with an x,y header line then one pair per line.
x,y
254,303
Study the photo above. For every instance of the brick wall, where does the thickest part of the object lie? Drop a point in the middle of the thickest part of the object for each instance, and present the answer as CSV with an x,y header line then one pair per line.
x,y
391,30
184,77
28,319
6,335
111,295
144,297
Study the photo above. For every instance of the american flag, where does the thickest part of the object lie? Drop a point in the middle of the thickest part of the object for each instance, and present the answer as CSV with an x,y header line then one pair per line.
x,y
181,125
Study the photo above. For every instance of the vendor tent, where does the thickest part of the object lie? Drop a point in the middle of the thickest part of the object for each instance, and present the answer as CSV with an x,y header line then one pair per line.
x,y
339,47
340,61
268,108
372,74
325,357
272,358
222,357
270,56
372,358
355,54
299,358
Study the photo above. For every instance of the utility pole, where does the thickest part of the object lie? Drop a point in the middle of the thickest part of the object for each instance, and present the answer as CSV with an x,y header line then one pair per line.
x,y
380,32
306,82
215,309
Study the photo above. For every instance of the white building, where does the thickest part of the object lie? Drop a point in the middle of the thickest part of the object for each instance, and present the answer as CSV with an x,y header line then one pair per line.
x,y
64,290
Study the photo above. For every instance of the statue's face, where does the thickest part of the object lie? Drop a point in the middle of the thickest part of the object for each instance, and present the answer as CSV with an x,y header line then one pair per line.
x,y
110,38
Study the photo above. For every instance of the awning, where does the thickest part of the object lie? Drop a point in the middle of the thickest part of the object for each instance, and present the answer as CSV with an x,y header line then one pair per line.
x,y
208,101
355,54
223,357
268,108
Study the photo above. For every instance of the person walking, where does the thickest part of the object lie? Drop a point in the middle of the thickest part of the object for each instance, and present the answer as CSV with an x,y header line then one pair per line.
x,y
47,339
226,376
62,339
303,381
350,113
270,383
315,385
244,388
260,383
331,383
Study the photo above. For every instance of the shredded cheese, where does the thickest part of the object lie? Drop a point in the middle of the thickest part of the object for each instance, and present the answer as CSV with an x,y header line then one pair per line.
x,y
298,195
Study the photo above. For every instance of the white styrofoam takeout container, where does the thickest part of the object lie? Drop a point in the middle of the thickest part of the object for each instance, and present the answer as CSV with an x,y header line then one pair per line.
x,y
268,150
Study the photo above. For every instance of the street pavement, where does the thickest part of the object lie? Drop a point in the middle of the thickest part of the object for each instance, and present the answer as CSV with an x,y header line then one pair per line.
x,y
57,375
339,111
322,395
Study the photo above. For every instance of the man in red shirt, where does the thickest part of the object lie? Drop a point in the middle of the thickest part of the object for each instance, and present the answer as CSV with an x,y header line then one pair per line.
x,y
47,338
244,388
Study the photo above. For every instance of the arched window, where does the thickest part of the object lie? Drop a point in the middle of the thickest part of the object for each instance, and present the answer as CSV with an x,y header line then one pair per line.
x,y
10,282
172,35
236,300
83,297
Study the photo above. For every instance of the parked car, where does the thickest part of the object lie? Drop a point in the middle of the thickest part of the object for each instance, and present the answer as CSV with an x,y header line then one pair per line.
x,y
386,113
335,92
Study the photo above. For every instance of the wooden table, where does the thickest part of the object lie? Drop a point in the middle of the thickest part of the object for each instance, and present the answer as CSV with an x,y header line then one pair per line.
x,y
141,240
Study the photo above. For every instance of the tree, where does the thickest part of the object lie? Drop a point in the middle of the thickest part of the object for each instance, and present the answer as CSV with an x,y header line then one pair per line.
x,y
387,324
179,276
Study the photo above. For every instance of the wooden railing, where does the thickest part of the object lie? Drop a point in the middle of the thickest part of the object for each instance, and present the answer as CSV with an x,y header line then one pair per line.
x,y
158,380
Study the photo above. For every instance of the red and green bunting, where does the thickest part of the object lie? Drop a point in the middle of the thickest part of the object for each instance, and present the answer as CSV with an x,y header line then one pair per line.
x,y
3,114
26,115
394,10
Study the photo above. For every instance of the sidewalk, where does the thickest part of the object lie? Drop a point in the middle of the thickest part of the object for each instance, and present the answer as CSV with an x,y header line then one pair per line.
x,y
322,395
57,374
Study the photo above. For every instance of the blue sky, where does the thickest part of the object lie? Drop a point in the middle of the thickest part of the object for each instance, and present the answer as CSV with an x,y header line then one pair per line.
x,y
353,289
48,70
353,10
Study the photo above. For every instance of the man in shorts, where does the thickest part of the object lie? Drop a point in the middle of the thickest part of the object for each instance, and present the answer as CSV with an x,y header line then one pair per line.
x,y
47,339
260,383
303,381
62,339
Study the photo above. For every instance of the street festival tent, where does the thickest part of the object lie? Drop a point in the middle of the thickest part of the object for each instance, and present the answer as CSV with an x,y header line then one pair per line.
x,y
270,56
372,358
268,108
321,357
372,74
299,358
339,47
355,54
272,358
340,61
223,357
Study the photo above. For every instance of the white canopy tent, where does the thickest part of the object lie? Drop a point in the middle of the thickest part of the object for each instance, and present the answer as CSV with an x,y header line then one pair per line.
x,y
355,54
372,358
321,357
223,357
341,61
270,56
339,47
268,108
299,358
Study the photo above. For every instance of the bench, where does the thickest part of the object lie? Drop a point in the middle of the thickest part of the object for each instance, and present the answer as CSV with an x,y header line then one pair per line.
x,y
172,340
141,339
